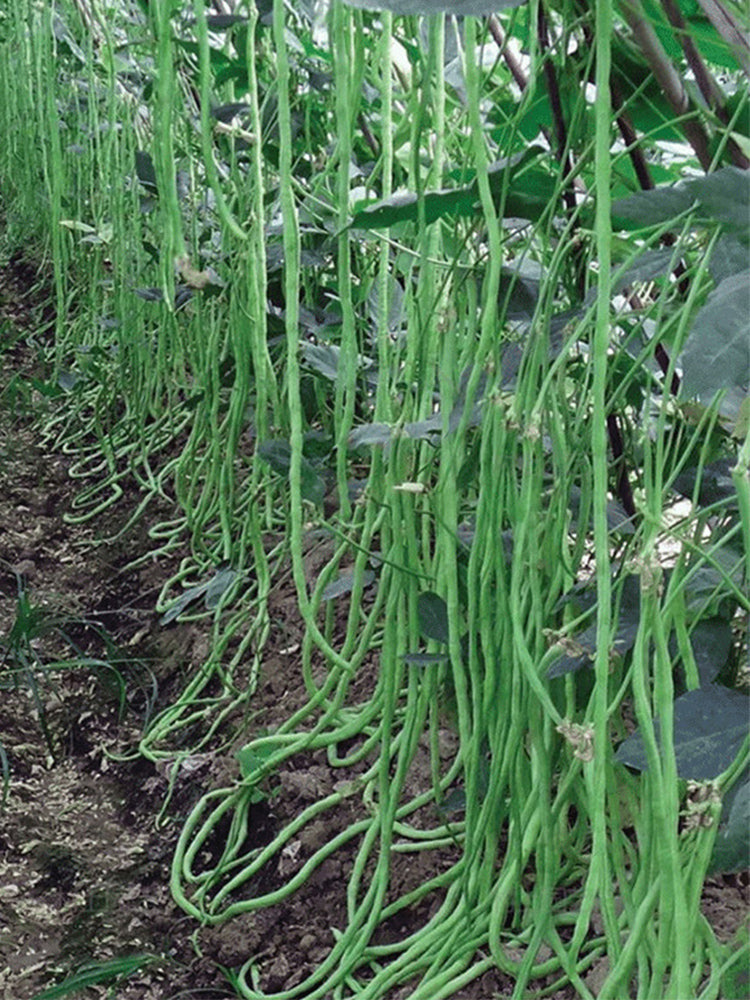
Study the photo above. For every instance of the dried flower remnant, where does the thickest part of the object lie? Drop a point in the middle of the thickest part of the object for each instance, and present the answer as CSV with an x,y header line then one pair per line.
x,y
581,738
703,800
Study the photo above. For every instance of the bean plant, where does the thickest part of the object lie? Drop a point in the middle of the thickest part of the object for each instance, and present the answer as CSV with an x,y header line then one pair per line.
x,y
460,289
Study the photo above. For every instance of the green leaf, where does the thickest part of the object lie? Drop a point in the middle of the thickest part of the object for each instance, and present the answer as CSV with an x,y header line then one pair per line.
x,y
584,655
344,584
187,598
710,726
454,802
369,434
425,659
378,433
527,195
519,294
732,846
432,612
324,359
647,266
278,454
222,66
252,759
581,648
226,112
462,8
730,256
716,355
708,587
312,486
68,380
617,516
220,22
213,590
708,41
721,196
711,640
716,485
403,207
96,973
145,171
647,105
724,196
650,208
429,429
735,983
218,585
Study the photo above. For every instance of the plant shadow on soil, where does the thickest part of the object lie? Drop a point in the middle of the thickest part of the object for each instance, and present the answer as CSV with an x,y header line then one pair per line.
x,y
84,869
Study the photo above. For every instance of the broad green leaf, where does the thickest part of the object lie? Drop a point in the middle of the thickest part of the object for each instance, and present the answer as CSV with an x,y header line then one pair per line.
x,y
710,726
646,267
724,196
424,429
312,486
709,586
211,591
720,197
403,207
729,257
732,846
226,112
712,47
581,648
145,171
425,659
533,116
617,517
223,66
324,358
735,982
454,802
664,30
253,758
344,584
68,380
432,612
583,651
528,194
186,599
150,294
278,454
649,208
461,8
218,585
49,389
379,433
647,106
716,355
518,294
78,227
716,485
220,22
711,640
370,434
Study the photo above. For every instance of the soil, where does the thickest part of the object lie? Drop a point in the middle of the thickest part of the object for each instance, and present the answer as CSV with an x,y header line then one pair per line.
x,y
88,832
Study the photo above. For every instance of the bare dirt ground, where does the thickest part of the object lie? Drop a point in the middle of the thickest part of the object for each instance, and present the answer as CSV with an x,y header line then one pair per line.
x,y
84,865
